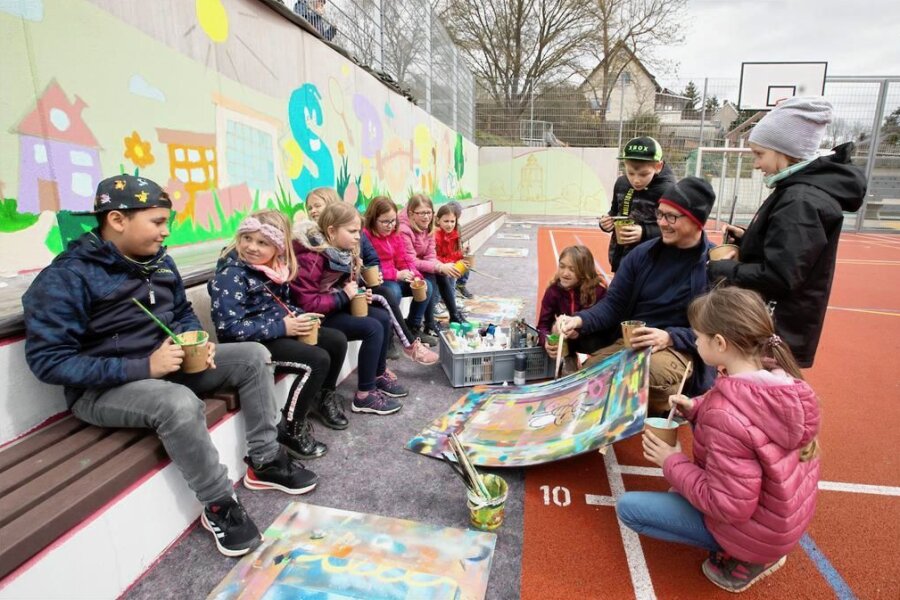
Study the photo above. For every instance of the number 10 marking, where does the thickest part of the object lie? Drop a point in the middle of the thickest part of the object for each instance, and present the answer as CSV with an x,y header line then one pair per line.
x,y
561,495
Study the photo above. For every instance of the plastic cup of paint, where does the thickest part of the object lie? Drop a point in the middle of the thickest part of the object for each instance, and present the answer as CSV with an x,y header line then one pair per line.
x,y
619,224
628,328
311,338
553,338
724,251
359,306
461,266
668,434
196,351
487,513
372,275
419,289
456,328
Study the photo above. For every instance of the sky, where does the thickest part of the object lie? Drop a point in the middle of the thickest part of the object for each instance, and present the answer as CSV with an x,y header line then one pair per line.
x,y
855,38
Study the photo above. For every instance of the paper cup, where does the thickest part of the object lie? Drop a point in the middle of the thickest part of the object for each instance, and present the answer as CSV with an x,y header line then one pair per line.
x,y
461,267
658,426
553,338
628,328
619,225
196,351
720,251
311,338
371,275
487,514
359,306
419,290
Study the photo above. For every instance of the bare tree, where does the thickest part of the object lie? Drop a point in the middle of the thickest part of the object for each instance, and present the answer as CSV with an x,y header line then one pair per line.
x,y
628,29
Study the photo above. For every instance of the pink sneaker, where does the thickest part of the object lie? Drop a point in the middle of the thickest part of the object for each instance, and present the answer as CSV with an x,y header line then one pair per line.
x,y
417,352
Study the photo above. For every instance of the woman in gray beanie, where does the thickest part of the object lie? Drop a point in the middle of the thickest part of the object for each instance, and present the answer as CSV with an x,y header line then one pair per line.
x,y
788,251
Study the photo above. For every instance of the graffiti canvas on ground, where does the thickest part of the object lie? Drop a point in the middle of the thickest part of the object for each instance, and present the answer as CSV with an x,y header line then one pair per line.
x,y
328,554
507,252
544,422
493,309
513,236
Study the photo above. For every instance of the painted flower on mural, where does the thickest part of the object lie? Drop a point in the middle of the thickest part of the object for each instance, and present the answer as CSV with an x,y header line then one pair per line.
x,y
138,151
340,147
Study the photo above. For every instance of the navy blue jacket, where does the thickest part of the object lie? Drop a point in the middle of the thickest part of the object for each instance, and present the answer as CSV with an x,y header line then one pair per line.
x,y
82,329
624,293
367,252
242,302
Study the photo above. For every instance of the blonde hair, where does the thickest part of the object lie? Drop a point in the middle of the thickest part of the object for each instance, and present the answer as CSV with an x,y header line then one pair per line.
x,y
280,221
415,201
378,206
339,214
325,194
585,271
740,316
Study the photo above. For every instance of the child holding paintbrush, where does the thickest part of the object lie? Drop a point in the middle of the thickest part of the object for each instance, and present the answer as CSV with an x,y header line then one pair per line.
x,y
85,331
250,296
750,492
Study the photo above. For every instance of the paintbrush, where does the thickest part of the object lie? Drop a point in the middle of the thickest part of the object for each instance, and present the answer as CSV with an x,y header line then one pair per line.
x,y
687,369
161,325
483,273
280,303
468,467
448,458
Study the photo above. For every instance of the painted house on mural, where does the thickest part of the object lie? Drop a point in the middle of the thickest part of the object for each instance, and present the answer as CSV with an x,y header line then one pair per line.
x,y
59,158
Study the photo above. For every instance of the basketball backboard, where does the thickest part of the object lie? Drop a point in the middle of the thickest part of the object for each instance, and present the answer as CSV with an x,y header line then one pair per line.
x,y
764,84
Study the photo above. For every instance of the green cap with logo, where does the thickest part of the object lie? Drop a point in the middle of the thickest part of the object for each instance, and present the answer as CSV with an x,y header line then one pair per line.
x,y
642,148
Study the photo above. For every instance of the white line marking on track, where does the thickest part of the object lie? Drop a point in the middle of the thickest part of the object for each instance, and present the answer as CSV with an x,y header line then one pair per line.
x,y
595,500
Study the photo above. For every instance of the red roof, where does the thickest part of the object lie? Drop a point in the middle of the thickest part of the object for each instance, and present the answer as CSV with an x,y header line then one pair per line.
x,y
55,118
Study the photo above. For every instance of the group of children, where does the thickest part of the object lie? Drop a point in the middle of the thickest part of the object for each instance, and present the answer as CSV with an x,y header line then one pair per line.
x,y
746,497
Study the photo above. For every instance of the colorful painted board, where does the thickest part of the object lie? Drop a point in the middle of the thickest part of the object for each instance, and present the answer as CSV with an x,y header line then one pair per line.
x,y
329,554
513,236
544,422
493,309
507,252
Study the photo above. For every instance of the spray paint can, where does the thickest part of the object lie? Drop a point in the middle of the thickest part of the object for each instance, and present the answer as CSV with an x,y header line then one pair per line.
x,y
520,366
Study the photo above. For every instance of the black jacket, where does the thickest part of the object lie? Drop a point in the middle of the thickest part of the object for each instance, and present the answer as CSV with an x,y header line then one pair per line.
x,y
789,250
643,210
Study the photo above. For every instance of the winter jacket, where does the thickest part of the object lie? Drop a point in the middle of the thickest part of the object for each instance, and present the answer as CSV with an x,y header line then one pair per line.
x,y
320,275
392,254
559,301
447,246
82,329
419,246
788,252
242,305
367,252
642,209
756,496
624,293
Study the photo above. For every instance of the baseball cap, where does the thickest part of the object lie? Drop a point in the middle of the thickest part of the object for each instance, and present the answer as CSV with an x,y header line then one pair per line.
x,y
127,192
642,148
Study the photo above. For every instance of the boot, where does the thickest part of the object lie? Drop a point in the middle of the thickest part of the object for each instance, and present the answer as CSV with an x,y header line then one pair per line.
x,y
296,436
393,352
328,409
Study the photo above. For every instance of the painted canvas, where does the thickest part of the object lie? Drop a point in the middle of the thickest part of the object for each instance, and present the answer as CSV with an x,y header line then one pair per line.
x,y
507,252
329,554
544,422
493,309
513,236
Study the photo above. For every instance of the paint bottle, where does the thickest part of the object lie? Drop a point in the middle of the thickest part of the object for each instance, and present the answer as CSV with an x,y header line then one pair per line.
x,y
520,366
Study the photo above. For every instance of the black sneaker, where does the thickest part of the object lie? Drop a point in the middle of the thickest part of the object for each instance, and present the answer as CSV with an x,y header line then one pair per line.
x,y
393,352
329,410
297,438
281,474
234,532
375,403
463,291
425,338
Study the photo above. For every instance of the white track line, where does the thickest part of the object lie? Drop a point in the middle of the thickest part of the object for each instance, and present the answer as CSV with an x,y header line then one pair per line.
x,y
595,500
553,244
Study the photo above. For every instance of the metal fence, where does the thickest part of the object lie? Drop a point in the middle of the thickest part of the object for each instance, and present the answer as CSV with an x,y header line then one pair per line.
x,y
867,112
405,40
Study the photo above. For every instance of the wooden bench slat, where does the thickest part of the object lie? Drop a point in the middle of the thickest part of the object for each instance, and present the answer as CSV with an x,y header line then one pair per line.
x,y
48,458
39,440
37,528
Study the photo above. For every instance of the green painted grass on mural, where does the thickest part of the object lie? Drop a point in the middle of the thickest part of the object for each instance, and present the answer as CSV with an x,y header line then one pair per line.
x,y
11,219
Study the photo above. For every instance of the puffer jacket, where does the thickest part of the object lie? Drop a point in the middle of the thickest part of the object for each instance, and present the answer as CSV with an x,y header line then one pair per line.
x,y
447,246
756,496
392,254
242,302
419,246
320,276
559,301
789,251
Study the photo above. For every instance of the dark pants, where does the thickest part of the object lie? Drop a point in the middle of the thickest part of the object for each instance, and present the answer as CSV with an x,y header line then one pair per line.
x,y
375,333
446,287
316,367
392,295
417,310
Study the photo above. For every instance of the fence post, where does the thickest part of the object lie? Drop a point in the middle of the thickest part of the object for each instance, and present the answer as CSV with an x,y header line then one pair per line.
x,y
721,185
430,49
873,149
703,111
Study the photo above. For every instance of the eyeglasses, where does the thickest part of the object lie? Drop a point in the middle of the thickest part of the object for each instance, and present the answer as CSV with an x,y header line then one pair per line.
x,y
669,218
423,213
387,223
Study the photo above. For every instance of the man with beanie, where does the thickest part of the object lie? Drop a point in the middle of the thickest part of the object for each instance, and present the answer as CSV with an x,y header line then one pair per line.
x,y
655,284
789,250
631,218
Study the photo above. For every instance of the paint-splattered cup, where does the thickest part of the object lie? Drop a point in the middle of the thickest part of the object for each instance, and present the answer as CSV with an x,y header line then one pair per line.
x,y
487,513
196,351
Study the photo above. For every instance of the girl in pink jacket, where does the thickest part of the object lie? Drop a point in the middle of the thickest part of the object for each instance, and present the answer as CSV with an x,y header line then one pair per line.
x,y
750,493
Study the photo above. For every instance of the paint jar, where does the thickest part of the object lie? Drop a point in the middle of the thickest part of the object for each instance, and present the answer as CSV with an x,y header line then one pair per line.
x,y
419,289
359,306
519,367
668,434
487,513
621,224
723,251
628,328
553,338
196,351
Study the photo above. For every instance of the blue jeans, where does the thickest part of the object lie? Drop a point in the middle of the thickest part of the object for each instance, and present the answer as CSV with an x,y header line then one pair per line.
x,y
172,409
400,289
375,333
464,279
665,516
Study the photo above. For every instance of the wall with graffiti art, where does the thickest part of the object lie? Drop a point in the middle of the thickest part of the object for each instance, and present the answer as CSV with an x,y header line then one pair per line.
x,y
226,103
548,181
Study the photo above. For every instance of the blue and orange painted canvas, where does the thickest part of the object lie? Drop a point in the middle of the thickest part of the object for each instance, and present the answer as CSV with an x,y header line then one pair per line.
x,y
328,554
544,422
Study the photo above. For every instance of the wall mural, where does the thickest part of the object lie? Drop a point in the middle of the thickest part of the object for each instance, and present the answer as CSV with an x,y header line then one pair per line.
x,y
226,103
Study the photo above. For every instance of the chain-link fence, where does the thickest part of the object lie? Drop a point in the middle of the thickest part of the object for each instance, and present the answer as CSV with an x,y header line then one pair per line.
x,y
685,115
405,40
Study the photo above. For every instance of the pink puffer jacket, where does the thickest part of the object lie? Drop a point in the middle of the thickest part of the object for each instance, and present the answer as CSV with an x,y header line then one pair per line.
x,y
392,254
419,246
747,478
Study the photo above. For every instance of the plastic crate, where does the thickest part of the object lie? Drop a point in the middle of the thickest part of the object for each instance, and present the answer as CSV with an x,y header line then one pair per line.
x,y
492,366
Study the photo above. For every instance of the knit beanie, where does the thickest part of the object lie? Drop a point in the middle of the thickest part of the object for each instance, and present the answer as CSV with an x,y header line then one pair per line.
x,y
795,127
693,197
